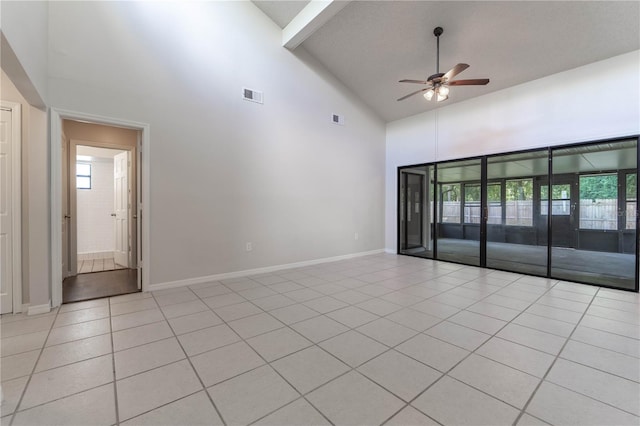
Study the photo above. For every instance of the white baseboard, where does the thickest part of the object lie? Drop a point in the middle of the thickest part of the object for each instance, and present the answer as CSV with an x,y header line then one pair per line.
x,y
267,269
39,309
390,251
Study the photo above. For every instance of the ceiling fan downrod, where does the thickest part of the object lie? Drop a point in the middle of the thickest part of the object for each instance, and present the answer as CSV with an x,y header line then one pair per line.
x,y
437,31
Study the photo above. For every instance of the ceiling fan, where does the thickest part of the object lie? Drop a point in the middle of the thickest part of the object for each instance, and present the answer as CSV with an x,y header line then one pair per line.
x,y
438,84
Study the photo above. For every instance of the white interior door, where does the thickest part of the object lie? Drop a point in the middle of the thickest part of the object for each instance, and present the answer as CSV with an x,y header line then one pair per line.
x,y
121,206
6,237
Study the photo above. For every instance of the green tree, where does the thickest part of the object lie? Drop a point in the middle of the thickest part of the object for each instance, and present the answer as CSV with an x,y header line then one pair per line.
x,y
521,189
599,187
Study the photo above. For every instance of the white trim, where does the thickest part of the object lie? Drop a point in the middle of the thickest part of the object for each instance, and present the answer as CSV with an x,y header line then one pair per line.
x,y
73,200
208,278
39,309
56,117
16,203
310,19
390,251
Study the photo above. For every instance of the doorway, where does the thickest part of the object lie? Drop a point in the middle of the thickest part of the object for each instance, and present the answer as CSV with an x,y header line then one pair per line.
x,y
564,208
414,221
58,117
102,204
100,250
416,211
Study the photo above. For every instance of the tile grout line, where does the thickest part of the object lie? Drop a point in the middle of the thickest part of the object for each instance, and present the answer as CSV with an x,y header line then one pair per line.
x,y
312,345
389,349
113,368
471,352
533,394
188,358
474,351
26,386
302,396
321,314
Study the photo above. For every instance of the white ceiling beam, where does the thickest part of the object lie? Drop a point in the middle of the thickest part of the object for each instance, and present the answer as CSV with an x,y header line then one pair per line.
x,y
309,20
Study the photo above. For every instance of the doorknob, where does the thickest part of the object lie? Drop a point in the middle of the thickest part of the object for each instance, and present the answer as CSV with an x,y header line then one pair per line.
x,y
113,214
66,216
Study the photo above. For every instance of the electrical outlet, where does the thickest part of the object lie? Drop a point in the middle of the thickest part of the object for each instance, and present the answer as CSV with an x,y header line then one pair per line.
x,y
356,236
249,246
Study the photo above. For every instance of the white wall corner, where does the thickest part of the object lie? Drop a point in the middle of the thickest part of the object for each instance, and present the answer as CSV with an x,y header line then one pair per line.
x,y
39,309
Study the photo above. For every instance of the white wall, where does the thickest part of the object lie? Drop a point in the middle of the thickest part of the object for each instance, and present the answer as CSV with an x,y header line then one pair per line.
x,y
35,203
226,171
25,26
579,105
94,208
24,55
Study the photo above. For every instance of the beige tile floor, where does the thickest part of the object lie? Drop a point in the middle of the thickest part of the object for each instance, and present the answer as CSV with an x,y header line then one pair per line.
x,y
375,340
97,265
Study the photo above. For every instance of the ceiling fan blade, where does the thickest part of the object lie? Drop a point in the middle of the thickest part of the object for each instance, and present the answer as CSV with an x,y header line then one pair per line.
x,y
472,82
414,93
455,71
413,81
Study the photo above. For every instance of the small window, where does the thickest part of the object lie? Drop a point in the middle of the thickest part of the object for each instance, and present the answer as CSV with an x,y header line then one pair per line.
x,y
599,202
472,211
450,198
83,175
561,200
520,202
494,201
630,200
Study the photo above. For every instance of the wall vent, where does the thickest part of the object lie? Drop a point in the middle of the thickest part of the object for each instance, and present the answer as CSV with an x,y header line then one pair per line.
x,y
337,119
252,95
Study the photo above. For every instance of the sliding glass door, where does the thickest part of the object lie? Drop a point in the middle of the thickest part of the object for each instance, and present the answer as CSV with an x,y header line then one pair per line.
x,y
416,211
564,212
459,211
593,195
516,231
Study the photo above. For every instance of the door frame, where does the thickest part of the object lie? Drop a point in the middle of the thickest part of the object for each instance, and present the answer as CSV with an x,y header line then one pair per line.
x,y
408,206
571,179
56,116
16,202
73,202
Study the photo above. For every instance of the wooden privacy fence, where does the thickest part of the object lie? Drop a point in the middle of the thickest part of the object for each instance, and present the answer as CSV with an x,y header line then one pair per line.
x,y
519,213
599,214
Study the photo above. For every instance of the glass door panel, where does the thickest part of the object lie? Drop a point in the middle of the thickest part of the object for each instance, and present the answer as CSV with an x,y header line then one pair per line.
x,y
593,193
459,211
416,211
516,232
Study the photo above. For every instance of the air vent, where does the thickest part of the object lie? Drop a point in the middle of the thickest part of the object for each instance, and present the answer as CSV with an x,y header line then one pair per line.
x,y
252,95
337,119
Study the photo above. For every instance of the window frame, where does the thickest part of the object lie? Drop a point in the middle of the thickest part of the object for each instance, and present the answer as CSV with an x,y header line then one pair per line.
x,y
84,163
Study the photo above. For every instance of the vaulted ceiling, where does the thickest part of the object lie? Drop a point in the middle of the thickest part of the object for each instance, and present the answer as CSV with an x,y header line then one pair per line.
x,y
370,45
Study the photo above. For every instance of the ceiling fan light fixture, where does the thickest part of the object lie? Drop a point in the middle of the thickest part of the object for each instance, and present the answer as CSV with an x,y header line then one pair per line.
x,y
428,95
438,83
